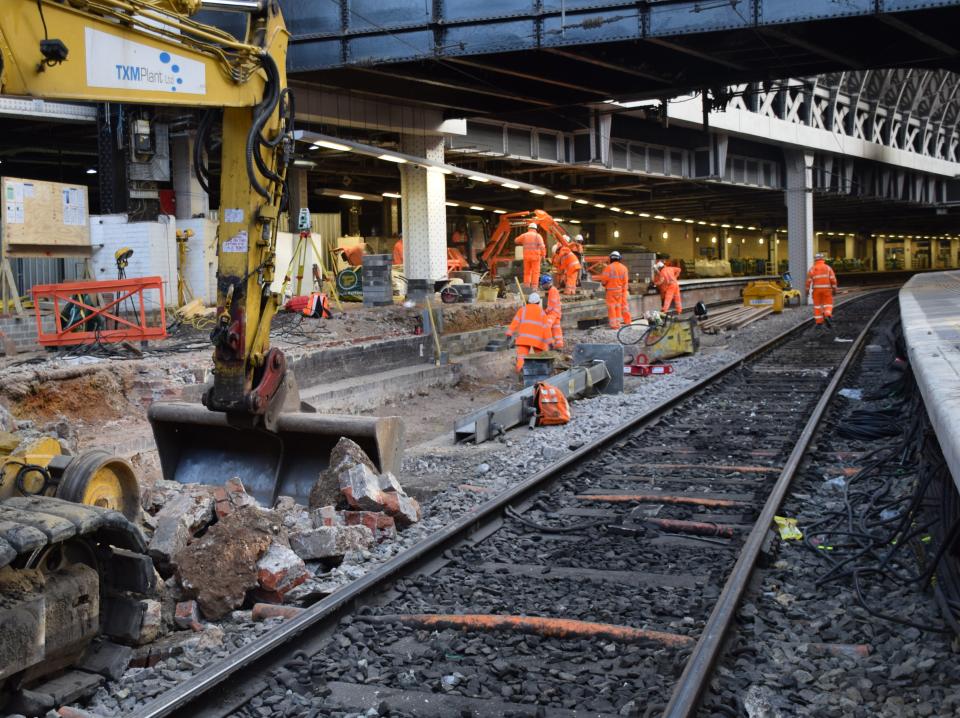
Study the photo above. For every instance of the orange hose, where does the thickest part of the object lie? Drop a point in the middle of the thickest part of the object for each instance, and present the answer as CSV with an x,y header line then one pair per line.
x,y
539,625
661,499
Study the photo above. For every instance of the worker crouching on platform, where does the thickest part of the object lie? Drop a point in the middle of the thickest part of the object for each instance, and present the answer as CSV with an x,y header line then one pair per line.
x,y
568,267
823,281
529,329
534,250
666,280
553,311
616,280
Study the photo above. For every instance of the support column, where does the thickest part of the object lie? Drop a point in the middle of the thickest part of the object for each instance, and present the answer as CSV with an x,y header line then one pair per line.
x,y
299,197
954,260
192,201
799,200
849,246
424,217
880,254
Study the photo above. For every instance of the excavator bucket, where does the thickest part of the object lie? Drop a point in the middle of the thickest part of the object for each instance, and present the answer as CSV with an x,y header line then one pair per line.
x,y
200,446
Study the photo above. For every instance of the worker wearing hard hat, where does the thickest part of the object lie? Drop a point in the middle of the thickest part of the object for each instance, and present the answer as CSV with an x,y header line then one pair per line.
x,y
616,280
822,280
398,250
534,250
553,311
567,266
353,255
665,278
577,250
529,329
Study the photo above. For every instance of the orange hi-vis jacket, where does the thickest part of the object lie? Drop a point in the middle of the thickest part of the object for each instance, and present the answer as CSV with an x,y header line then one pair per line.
x,y
354,255
566,261
821,276
530,327
553,303
533,246
615,277
398,252
667,277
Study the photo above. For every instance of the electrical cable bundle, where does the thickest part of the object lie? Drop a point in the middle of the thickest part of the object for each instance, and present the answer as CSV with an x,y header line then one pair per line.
x,y
870,424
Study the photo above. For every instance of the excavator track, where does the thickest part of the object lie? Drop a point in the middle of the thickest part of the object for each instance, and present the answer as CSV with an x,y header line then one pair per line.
x,y
69,573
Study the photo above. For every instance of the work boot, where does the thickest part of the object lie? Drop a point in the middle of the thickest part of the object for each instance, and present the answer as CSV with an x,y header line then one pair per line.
x,y
829,322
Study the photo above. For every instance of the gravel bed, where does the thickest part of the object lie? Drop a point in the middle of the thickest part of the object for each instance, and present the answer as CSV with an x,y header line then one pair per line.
x,y
473,475
776,664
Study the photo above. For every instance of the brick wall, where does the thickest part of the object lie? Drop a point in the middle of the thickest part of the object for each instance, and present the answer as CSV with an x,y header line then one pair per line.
x,y
24,331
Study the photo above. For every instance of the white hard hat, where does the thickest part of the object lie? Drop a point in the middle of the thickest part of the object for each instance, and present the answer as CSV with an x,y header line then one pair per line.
x,y
566,237
818,255
614,254
580,238
532,225
533,298
659,264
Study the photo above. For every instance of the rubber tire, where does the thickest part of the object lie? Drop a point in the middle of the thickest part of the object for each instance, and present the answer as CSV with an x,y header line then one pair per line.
x,y
118,487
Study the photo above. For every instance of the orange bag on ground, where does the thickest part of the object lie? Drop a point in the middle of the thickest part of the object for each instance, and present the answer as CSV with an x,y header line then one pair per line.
x,y
552,407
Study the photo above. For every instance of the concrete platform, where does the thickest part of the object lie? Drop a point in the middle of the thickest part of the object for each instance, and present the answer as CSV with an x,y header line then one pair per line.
x,y
930,310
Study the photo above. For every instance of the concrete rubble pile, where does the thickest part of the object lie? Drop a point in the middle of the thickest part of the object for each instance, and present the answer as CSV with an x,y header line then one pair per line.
x,y
218,550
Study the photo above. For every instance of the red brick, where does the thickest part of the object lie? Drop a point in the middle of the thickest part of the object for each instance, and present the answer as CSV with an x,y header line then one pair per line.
x,y
187,615
278,571
382,527
263,611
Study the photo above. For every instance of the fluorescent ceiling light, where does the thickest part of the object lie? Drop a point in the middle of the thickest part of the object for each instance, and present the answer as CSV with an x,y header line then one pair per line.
x,y
537,191
628,211
615,209
751,228
701,222
658,216
351,196
392,158
599,205
561,196
574,221
392,195
675,219
725,226
581,201
330,146
477,207
452,204
499,211
477,178
509,185
91,171
644,214
738,226
688,221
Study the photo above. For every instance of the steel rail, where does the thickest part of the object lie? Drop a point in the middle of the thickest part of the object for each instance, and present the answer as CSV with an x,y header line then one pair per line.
x,y
699,666
194,698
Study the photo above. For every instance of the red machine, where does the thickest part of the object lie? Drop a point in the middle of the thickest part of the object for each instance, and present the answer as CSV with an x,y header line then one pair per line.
x,y
641,366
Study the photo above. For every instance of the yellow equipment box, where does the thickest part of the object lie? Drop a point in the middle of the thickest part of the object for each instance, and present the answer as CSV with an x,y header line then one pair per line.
x,y
764,294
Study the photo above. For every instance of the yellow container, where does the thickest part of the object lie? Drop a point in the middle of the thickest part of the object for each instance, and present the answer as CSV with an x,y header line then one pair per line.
x,y
487,294
764,294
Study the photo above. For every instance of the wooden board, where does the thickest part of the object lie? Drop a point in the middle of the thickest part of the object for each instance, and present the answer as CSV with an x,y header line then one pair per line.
x,y
43,219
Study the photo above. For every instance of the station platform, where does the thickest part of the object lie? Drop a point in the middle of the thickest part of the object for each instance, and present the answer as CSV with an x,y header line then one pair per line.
x,y
930,311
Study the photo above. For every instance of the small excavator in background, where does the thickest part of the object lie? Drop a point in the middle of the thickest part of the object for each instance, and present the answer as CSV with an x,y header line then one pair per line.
x,y
57,553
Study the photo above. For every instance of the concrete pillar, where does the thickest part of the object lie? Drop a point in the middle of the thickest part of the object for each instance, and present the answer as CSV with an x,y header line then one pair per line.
x,y
424,216
391,217
299,197
880,255
908,254
192,201
849,246
954,244
799,202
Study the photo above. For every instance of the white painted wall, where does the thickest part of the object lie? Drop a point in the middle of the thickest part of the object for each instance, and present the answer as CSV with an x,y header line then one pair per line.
x,y
154,251
201,262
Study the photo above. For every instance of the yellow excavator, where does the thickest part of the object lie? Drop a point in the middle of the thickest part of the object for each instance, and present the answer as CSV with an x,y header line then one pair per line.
x,y
252,423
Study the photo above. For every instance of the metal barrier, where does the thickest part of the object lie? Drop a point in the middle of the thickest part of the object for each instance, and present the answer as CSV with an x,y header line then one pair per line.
x,y
78,319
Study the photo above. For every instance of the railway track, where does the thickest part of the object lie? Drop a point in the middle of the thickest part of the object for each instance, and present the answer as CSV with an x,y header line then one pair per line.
x,y
602,586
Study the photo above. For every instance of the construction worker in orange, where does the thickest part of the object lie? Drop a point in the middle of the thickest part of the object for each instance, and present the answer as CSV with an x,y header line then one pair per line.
x,y
534,250
615,278
353,255
822,280
398,250
568,266
554,311
665,279
529,329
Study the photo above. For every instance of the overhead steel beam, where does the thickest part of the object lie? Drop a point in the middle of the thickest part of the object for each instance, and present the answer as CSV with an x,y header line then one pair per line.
x,y
928,40
812,47
607,65
451,86
527,76
686,50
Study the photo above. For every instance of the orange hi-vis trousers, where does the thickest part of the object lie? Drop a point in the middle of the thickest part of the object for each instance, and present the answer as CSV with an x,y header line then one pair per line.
x,y
570,281
553,324
822,304
671,293
531,271
618,308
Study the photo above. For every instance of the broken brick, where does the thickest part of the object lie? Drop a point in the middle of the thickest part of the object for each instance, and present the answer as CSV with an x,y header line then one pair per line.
x,y
362,489
330,541
230,497
382,527
327,516
263,611
178,521
278,571
187,616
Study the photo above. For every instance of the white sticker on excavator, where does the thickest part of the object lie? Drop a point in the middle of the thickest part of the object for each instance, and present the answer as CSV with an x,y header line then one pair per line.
x,y
237,243
116,62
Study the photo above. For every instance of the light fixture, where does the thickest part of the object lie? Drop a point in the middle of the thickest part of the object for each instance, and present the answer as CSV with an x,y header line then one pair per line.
x,y
713,240
665,235
729,240
778,241
688,221
616,234
499,211
725,226
743,240
452,204
509,185
392,158
391,195
615,209
330,146
561,196
582,201
296,163
713,224
658,216
574,221
752,229
675,219
739,226
477,178
628,211
351,196
559,219
476,207
537,191
697,240
701,222
643,214
760,240
91,171
599,205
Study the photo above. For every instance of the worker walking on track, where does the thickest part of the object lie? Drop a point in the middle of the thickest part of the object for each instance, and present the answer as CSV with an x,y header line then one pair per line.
x,y
822,280
616,280
534,250
568,267
553,311
665,280
529,329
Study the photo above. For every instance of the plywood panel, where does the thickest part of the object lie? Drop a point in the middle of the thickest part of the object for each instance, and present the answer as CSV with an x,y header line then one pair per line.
x,y
43,219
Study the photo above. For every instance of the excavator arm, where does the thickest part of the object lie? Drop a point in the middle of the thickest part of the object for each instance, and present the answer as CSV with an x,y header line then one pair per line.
x,y
152,52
